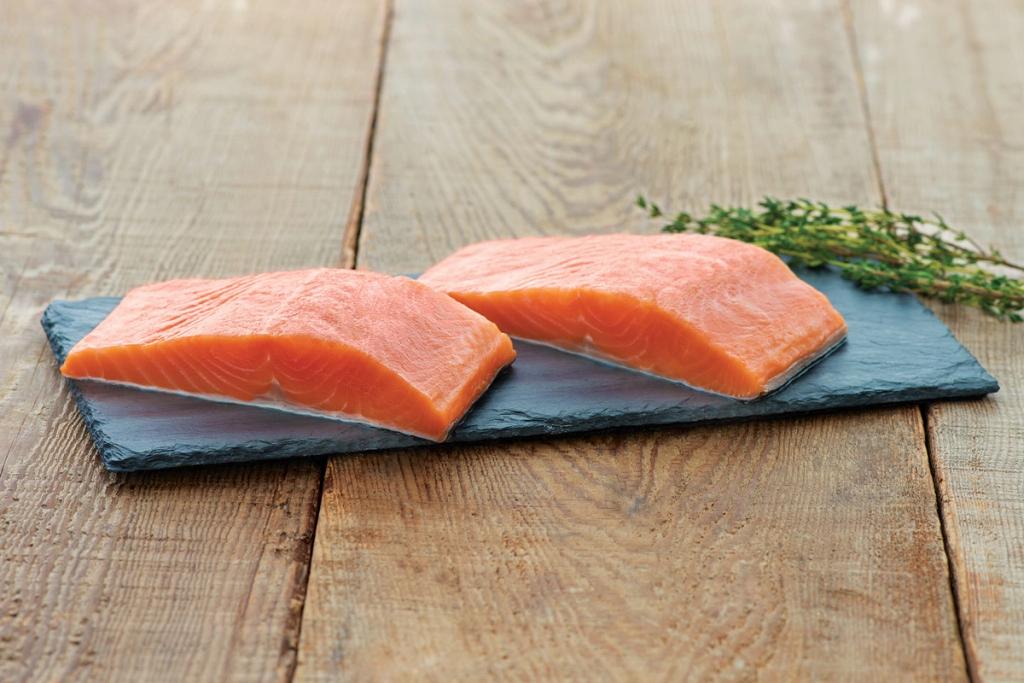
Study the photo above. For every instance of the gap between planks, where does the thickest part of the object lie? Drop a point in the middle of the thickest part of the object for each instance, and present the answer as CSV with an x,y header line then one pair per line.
x,y
970,655
293,664
846,12
970,658
349,254
354,226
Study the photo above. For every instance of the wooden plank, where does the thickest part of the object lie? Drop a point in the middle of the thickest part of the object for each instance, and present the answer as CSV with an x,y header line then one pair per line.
x,y
945,85
768,549
143,141
806,548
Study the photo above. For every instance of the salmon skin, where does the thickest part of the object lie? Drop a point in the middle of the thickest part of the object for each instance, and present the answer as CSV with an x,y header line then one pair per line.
x,y
351,345
714,313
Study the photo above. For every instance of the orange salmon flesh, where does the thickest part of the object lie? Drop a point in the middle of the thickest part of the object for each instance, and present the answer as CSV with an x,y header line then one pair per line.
x,y
714,313
347,344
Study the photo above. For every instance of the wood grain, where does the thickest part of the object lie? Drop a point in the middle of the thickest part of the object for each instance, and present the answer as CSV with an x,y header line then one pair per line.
x,y
143,141
550,117
767,550
945,85
805,548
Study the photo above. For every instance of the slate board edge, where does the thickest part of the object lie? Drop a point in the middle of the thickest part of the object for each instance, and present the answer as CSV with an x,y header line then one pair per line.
x,y
992,382
110,453
117,458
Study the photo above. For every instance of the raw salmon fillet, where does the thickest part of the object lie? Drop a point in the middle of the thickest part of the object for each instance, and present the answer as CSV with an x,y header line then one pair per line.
x,y
714,313
347,344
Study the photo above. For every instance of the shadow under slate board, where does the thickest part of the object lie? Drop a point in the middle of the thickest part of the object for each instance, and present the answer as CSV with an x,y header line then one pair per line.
x,y
896,351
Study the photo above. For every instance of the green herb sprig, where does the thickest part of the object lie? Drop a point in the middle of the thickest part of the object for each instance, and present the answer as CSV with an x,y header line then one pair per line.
x,y
875,248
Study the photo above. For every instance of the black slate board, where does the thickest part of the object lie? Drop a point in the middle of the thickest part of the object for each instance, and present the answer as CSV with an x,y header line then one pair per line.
x,y
897,351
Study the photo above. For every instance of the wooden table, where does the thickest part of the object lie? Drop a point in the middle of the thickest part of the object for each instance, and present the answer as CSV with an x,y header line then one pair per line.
x,y
144,141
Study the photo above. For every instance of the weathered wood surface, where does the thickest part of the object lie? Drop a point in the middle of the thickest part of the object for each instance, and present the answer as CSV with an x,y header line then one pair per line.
x,y
145,141
945,87
142,141
805,548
